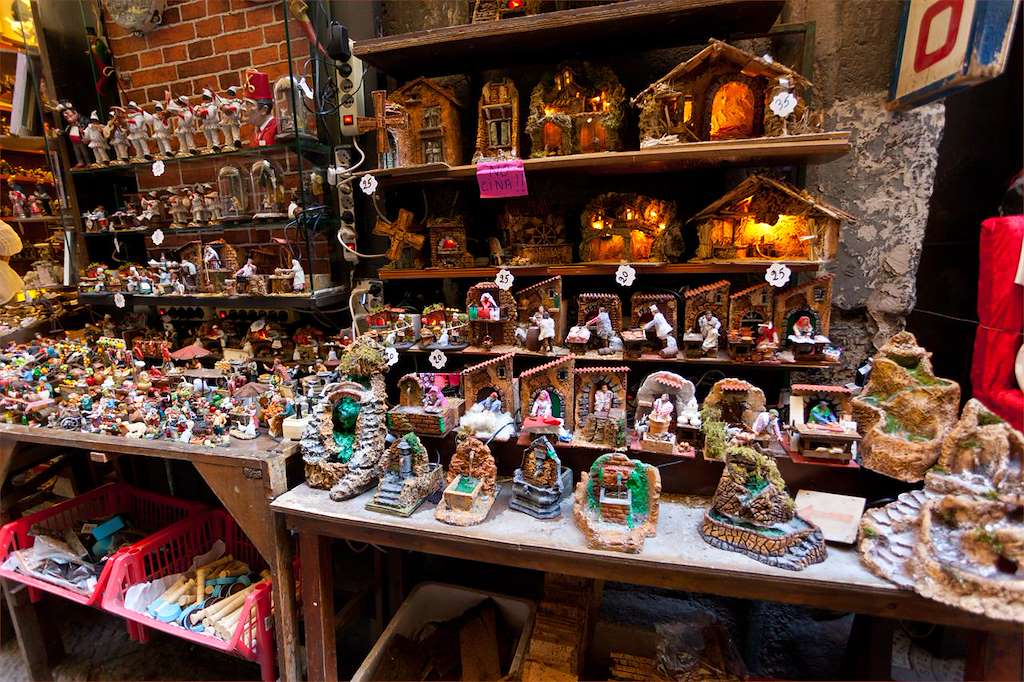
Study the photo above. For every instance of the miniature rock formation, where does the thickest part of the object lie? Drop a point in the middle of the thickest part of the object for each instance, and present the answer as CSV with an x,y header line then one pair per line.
x,y
960,540
538,485
616,503
904,411
407,477
471,484
753,514
344,441
728,415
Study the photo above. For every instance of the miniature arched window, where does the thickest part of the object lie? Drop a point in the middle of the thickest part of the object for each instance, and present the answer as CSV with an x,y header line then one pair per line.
x,y
818,294
501,372
563,374
751,319
431,118
234,196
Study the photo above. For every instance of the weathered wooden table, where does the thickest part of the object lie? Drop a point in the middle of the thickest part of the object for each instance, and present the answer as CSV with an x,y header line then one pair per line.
x,y
245,478
677,558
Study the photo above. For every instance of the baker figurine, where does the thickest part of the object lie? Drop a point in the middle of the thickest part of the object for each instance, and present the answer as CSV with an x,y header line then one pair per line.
x,y
663,331
261,109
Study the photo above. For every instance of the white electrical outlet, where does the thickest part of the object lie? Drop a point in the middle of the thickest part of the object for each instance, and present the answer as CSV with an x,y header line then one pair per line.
x,y
350,94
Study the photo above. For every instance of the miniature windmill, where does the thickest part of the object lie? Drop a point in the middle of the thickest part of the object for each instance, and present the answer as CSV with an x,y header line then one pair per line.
x,y
385,116
401,239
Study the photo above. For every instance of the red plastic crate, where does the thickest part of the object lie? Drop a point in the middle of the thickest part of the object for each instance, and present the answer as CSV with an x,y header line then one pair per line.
x,y
147,510
172,551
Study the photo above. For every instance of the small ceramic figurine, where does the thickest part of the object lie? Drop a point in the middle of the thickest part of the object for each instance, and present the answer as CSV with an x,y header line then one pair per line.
x,y
803,330
95,135
208,113
211,259
605,331
161,124
231,117
603,400
709,328
261,109
138,132
17,203
75,132
117,132
546,326
179,208
541,408
185,123
663,330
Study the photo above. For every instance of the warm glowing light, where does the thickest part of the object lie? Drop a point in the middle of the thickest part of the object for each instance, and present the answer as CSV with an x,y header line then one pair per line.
x,y
514,4
590,119
597,224
662,225
732,112
629,214
548,111
653,214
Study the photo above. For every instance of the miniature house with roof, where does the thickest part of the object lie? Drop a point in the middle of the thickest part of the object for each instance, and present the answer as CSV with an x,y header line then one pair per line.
x,y
423,407
748,309
821,422
448,243
497,131
620,227
665,403
534,232
732,405
724,93
429,132
589,306
802,315
577,109
763,219
546,295
471,486
539,483
641,314
492,315
713,298
490,398
600,412
547,397
493,10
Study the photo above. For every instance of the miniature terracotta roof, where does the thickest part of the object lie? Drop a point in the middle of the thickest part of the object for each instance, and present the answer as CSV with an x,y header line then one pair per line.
x,y
601,370
485,285
748,290
487,363
411,375
811,389
567,359
750,65
595,296
755,183
734,385
690,293
442,90
668,379
549,280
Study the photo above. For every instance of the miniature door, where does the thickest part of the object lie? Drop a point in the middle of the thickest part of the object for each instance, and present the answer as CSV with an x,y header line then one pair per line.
x,y
268,189
233,193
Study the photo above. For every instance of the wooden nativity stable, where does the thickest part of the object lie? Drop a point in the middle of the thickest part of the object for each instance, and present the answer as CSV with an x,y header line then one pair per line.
x,y
429,130
763,219
578,109
722,93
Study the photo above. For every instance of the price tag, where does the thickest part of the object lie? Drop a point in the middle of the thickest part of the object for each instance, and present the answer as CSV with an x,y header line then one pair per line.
x,y
625,275
158,237
438,359
368,184
158,168
778,274
119,300
504,279
501,179
391,355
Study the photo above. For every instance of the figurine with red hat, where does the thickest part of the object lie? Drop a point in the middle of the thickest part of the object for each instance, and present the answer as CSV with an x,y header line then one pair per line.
x,y
261,109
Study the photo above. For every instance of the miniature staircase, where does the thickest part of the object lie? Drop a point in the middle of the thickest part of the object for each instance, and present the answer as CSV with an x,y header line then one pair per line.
x,y
389,492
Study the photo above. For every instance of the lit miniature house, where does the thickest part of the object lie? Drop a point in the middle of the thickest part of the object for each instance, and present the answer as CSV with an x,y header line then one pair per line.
x,y
577,109
232,188
492,10
629,228
546,397
723,93
497,132
802,315
268,189
546,295
534,232
763,219
616,502
424,407
600,416
448,244
748,309
821,422
437,320
492,315
429,131
289,109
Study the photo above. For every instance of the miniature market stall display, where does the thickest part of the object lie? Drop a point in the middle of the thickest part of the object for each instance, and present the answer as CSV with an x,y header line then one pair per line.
x,y
616,503
492,315
821,422
541,315
598,324
706,307
487,388
655,316
600,416
751,328
546,397
802,316
666,405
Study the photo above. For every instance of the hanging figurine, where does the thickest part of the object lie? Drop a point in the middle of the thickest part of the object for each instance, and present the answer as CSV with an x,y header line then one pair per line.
x,y
231,118
185,123
161,122
95,135
75,132
138,132
261,109
117,132
207,113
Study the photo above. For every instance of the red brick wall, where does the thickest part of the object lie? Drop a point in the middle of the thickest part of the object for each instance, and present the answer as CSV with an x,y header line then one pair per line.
x,y
205,44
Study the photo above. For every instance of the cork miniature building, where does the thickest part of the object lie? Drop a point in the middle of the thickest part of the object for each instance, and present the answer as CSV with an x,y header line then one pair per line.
x,y
534,232
713,297
448,247
540,482
423,407
494,10
598,323
729,410
600,412
752,513
430,131
629,228
497,131
490,399
471,485
763,219
748,309
492,315
534,304
640,314
576,110
821,422
547,397
802,316
665,403
408,477
722,93
616,503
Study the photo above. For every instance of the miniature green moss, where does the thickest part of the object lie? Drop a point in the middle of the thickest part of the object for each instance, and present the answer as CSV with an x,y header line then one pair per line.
x,y
986,418
982,535
868,532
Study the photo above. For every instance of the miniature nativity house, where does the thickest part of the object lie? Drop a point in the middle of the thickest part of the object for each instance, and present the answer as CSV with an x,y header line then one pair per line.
x,y
665,404
534,232
600,412
448,244
616,503
492,315
541,314
763,219
576,110
423,407
429,130
821,422
591,309
729,409
748,309
407,478
706,307
540,482
471,484
547,398
802,315
497,131
724,93
489,394
631,228
643,308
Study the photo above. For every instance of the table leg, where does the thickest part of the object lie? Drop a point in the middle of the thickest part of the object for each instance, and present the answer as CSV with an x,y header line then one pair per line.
x,y
40,645
869,648
286,620
994,656
318,607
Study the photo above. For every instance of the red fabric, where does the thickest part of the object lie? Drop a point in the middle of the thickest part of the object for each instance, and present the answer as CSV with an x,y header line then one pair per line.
x,y
267,136
1001,318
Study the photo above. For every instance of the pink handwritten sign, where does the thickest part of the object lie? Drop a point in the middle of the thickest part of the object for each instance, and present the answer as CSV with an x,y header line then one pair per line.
x,y
501,179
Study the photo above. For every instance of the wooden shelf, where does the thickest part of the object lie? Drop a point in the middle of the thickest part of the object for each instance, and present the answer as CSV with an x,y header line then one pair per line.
x,y
628,26
207,229
23,145
587,269
321,300
44,219
24,179
812,148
